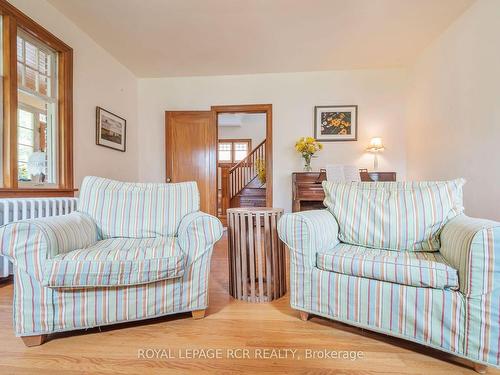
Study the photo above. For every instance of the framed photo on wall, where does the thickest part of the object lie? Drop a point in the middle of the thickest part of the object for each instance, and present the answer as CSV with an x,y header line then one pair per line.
x,y
336,123
111,130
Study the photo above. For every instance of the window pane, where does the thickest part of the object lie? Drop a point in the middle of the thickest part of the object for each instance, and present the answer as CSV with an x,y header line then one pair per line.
x,y
42,62
239,155
35,66
224,146
25,119
25,136
30,79
31,55
225,152
42,85
24,153
225,156
36,145
20,73
241,150
241,146
37,142
20,51
22,172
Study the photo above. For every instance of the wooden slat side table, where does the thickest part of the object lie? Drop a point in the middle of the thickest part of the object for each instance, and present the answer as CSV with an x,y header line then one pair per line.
x,y
257,265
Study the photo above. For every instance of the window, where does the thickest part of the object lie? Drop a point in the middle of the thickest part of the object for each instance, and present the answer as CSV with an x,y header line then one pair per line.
x,y
37,112
225,154
233,150
36,135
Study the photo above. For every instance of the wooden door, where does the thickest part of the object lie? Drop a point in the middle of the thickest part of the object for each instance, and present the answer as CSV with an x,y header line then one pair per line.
x,y
191,153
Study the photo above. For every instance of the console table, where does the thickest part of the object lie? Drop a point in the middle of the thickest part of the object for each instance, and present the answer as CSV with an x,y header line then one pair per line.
x,y
307,192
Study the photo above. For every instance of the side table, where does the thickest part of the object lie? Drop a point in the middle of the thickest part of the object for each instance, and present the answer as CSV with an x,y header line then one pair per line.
x,y
257,264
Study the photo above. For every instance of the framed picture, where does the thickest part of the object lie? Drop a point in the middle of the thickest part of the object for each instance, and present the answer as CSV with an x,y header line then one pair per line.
x,y
111,130
336,123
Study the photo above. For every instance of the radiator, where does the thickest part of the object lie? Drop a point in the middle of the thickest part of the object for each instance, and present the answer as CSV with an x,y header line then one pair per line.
x,y
31,208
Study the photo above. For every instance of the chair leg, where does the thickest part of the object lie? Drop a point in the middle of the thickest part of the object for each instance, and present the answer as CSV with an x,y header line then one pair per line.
x,y
198,314
34,340
304,316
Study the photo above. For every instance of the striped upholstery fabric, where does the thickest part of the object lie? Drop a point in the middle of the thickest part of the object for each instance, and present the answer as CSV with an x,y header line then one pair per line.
x,y
309,231
464,322
393,215
116,262
434,317
473,247
137,210
45,238
196,235
420,269
47,251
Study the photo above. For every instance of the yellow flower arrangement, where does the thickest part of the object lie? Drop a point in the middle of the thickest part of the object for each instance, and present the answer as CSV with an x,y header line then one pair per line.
x,y
260,166
307,147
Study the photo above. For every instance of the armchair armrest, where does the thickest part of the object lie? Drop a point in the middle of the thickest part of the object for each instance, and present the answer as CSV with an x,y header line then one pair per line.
x,y
28,243
308,232
197,233
472,246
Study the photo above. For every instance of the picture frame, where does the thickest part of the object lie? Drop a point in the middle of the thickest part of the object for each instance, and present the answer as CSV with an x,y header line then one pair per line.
x,y
111,130
336,123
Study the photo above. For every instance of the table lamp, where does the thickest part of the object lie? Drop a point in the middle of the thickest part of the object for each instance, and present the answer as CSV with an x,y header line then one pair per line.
x,y
375,147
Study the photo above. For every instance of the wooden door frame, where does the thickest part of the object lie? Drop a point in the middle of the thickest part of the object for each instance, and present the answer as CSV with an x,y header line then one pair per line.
x,y
255,108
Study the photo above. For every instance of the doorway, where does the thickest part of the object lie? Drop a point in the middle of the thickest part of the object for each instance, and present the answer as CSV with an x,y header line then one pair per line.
x,y
191,154
244,156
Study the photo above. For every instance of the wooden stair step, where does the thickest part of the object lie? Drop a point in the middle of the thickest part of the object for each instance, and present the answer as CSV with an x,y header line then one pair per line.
x,y
252,191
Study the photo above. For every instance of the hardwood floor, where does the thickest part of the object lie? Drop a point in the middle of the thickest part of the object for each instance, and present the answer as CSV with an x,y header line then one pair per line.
x,y
228,324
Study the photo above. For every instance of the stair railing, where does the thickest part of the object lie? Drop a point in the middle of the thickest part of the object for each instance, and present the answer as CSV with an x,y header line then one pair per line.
x,y
241,174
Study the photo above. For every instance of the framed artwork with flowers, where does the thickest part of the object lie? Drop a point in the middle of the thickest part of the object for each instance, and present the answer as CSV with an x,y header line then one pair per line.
x,y
336,123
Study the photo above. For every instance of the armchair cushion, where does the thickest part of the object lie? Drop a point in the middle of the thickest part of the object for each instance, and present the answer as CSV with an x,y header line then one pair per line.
x,y
420,269
405,216
116,262
137,210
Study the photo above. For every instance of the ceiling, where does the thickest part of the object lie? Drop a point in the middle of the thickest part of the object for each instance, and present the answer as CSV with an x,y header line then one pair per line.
x,y
163,38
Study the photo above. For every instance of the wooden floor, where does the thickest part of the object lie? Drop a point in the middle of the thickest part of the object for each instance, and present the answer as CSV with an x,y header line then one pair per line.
x,y
229,324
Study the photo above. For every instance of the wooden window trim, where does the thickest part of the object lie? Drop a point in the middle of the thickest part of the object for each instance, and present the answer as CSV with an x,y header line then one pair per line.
x,y
12,19
233,141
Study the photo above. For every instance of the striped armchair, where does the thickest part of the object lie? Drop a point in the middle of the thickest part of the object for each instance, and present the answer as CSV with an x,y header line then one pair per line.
x,y
400,258
131,251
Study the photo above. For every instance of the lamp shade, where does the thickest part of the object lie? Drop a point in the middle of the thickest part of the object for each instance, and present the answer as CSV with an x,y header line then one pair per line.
x,y
376,145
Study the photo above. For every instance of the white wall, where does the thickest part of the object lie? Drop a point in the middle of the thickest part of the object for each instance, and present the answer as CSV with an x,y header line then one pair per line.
x,y
380,95
253,126
99,80
454,109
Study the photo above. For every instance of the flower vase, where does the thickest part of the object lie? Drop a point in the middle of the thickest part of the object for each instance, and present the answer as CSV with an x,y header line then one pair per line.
x,y
307,163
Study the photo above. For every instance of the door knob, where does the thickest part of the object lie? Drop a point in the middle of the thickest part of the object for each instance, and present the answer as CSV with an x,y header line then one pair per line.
x,y
168,179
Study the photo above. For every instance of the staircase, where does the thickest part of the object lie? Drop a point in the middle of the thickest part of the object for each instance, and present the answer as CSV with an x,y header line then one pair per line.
x,y
252,195
240,185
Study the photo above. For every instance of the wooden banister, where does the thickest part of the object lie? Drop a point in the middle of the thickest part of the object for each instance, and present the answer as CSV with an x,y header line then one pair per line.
x,y
241,174
248,157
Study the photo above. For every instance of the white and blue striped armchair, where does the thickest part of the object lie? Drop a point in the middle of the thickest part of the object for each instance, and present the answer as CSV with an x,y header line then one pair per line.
x,y
131,251
400,258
